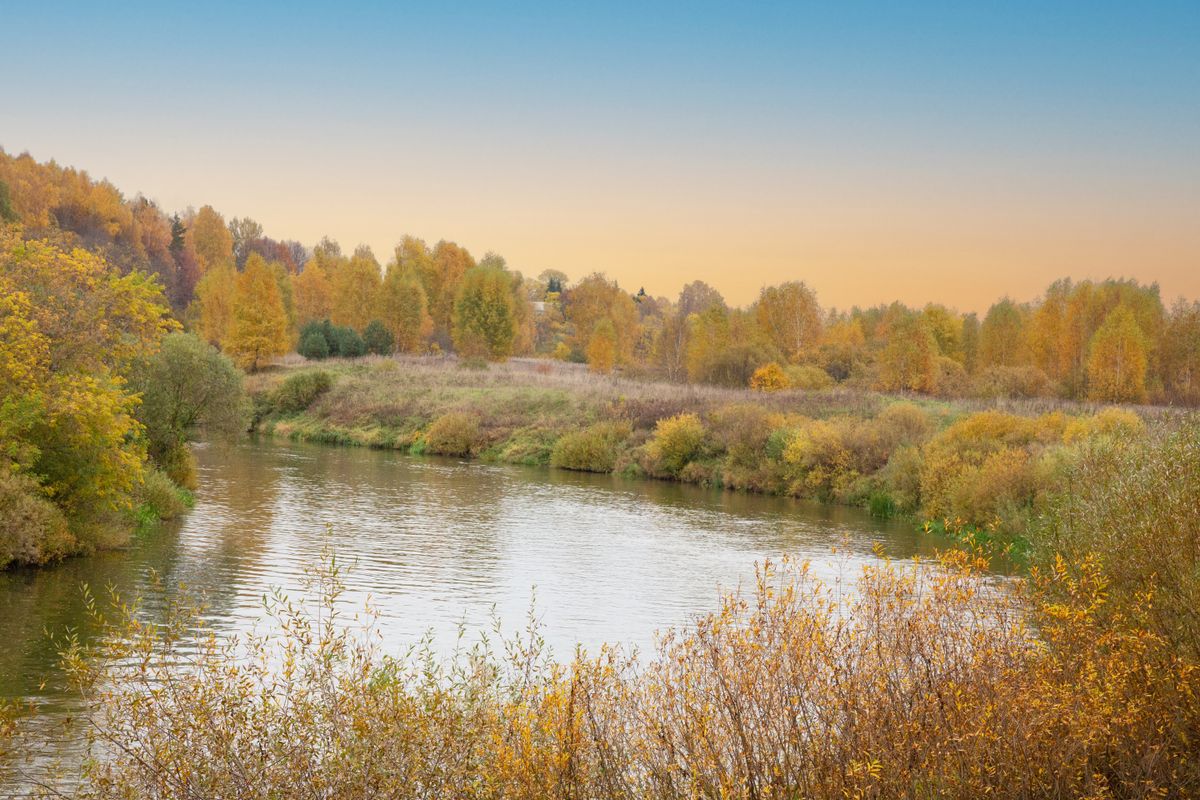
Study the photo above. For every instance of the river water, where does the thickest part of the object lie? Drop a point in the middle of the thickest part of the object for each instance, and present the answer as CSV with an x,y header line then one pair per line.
x,y
435,544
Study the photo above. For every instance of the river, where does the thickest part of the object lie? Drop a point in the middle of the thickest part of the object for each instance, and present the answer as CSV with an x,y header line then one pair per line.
x,y
435,544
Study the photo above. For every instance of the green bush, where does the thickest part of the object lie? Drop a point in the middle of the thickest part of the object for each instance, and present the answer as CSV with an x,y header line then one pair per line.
x,y
377,339
594,449
453,434
158,497
677,440
314,346
32,529
300,391
807,377
349,343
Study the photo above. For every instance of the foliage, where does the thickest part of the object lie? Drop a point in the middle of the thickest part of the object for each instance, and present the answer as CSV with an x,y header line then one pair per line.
x,y
377,339
158,496
594,449
677,440
185,386
602,347
403,308
1117,361
355,291
32,529
214,298
453,434
808,378
769,377
791,317
301,390
1129,500
1051,347
70,329
485,314
909,362
258,329
313,345
346,342
796,688
313,294
1011,382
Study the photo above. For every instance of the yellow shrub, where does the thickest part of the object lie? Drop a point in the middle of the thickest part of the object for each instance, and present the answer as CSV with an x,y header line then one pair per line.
x,y
769,378
1109,422
677,440
453,434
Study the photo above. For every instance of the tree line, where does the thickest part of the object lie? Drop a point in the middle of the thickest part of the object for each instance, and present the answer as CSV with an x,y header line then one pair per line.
x,y
256,298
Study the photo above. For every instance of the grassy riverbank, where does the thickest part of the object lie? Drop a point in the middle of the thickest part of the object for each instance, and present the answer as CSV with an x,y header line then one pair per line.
x,y
980,468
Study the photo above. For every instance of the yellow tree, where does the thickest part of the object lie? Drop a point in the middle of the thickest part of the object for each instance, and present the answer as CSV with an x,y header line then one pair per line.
x,y
258,329
211,239
1117,360
484,319
909,361
1181,354
708,337
946,327
313,293
356,290
843,348
1002,336
790,316
402,308
443,275
595,298
602,347
70,328
214,296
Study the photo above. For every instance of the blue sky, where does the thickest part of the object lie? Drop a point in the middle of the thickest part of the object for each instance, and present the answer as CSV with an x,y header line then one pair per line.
x,y
974,149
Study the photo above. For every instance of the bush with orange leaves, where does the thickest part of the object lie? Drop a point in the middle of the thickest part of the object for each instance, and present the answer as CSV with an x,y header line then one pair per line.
x,y
922,680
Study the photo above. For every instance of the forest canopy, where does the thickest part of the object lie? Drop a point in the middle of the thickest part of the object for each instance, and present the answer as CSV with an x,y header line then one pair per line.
x,y
252,296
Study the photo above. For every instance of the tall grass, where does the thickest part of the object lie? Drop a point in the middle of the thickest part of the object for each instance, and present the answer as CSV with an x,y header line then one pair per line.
x,y
926,681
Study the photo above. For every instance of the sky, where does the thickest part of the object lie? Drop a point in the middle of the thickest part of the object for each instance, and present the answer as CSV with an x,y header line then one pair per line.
x,y
923,151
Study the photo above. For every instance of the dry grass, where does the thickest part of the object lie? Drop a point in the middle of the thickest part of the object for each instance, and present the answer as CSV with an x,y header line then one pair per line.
x,y
925,682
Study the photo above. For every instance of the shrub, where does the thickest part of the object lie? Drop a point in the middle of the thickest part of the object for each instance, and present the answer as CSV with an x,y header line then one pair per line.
x,y
158,497
951,379
904,423
313,346
990,449
742,431
452,434
808,378
769,378
676,441
796,688
1118,422
1011,382
349,343
1132,502
377,339
32,529
594,449
187,385
300,391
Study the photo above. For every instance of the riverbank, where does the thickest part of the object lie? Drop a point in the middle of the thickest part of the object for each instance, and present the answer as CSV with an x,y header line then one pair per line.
x,y
980,469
